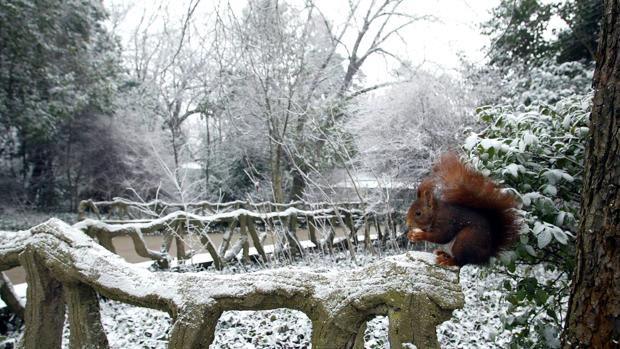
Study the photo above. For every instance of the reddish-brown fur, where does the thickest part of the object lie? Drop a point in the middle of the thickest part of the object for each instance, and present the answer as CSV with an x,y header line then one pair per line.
x,y
458,203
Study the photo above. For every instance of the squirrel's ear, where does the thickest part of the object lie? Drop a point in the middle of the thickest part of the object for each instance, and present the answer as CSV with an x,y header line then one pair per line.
x,y
428,198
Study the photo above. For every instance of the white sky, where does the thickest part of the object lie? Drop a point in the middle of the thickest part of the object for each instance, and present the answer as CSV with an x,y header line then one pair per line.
x,y
436,45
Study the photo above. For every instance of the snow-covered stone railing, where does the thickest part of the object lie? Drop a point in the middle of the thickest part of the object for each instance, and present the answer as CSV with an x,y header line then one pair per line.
x,y
65,266
175,224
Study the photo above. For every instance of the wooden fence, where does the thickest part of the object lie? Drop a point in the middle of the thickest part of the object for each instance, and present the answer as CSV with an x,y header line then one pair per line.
x,y
251,221
123,209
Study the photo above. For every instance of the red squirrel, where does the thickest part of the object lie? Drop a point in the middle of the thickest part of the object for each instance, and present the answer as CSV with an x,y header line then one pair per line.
x,y
458,205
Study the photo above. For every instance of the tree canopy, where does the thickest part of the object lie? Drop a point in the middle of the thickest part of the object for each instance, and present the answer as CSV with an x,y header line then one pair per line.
x,y
58,65
527,31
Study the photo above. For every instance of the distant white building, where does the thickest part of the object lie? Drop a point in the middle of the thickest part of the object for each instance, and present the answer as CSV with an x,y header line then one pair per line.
x,y
192,166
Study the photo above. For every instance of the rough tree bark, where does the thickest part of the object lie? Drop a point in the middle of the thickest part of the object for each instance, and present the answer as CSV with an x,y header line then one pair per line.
x,y
593,319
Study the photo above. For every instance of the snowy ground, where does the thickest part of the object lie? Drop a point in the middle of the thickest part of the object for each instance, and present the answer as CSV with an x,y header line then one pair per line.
x,y
478,325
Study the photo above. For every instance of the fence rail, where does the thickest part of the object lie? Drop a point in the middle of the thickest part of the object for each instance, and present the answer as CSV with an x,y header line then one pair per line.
x,y
123,209
66,266
251,226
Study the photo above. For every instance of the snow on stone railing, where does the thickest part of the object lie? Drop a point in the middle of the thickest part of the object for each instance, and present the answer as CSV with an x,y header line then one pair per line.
x,y
176,223
65,266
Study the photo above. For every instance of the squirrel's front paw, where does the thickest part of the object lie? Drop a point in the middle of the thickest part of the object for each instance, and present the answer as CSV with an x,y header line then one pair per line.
x,y
416,235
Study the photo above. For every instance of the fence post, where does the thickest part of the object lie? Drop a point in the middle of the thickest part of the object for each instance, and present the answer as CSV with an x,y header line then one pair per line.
x,y
416,323
291,235
227,236
380,236
255,239
180,243
312,230
85,326
45,310
194,327
367,240
244,235
217,259
348,216
105,240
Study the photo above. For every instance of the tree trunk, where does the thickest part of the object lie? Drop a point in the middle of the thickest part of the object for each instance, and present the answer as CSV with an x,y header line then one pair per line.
x,y
175,152
208,156
299,183
298,161
42,187
593,319
276,174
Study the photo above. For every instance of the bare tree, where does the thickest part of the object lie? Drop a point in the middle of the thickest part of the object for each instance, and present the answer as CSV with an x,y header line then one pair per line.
x,y
293,77
169,68
265,82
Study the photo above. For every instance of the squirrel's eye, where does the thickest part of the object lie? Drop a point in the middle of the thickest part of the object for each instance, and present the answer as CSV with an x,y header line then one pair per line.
x,y
418,213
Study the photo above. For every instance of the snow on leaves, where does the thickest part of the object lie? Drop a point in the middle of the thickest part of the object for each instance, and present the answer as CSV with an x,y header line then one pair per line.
x,y
537,151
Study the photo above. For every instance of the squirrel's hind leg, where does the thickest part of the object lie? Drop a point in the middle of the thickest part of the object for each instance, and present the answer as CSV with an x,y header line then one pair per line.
x,y
471,246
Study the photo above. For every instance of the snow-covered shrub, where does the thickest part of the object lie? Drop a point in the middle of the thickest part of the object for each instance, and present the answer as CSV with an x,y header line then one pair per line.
x,y
548,83
537,151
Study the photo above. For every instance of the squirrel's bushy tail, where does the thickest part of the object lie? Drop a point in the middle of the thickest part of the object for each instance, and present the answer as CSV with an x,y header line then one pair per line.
x,y
464,186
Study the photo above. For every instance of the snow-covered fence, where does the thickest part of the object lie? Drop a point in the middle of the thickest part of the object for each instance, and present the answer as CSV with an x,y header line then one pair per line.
x,y
123,209
351,216
65,266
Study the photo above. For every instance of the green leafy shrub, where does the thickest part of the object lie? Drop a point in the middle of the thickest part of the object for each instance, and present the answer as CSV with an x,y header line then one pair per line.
x,y
537,152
